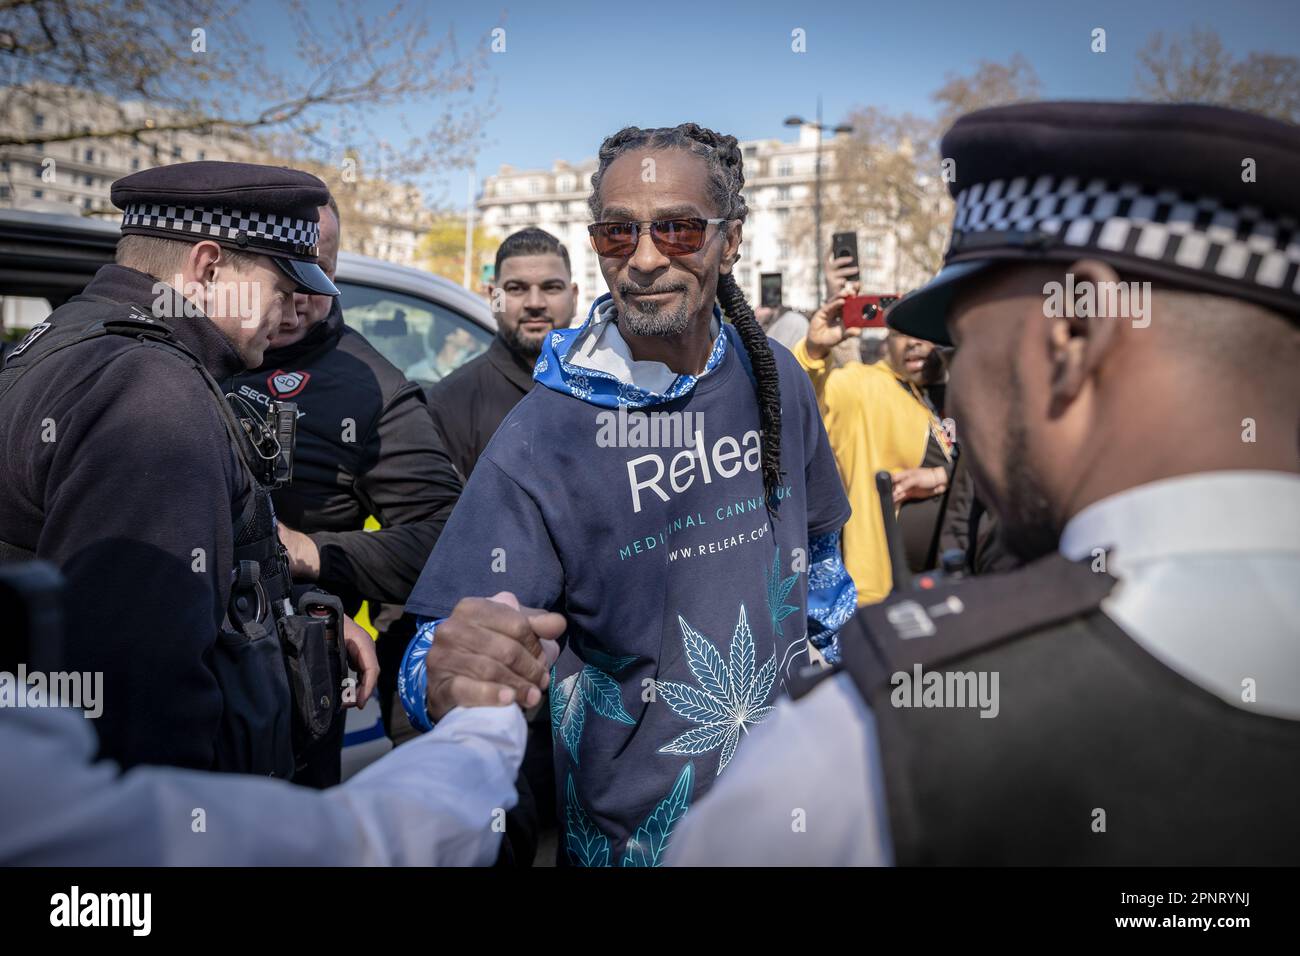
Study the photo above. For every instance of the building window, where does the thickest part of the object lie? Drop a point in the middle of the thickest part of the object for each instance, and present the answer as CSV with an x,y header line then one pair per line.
x,y
564,184
783,250
135,163
503,187
202,155
89,180
38,193
90,155
176,152
782,193
532,210
783,216
784,168
534,186
86,204
38,120
4,192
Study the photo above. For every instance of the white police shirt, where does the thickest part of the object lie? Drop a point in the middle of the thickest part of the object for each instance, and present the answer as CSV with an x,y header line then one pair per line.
x,y
432,801
1208,566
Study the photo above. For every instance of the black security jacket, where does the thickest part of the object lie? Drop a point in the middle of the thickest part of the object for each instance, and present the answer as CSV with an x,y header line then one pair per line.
x,y
366,446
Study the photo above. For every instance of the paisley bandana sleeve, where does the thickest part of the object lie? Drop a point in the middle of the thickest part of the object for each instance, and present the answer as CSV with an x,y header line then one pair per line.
x,y
413,678
832,597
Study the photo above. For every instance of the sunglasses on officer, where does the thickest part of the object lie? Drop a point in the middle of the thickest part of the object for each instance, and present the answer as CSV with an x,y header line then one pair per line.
x,y
672,237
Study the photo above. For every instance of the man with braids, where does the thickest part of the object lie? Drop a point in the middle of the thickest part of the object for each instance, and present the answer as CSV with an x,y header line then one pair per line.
x,y
667,501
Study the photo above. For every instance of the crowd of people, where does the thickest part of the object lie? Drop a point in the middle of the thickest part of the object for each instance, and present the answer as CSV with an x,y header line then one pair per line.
x,y
1062,631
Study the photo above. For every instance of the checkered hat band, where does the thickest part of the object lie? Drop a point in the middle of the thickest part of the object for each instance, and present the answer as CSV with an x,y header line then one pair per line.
x,y
225,224
1160,225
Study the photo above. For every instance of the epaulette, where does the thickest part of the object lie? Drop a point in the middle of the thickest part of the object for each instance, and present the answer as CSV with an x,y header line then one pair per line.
x,y
958,618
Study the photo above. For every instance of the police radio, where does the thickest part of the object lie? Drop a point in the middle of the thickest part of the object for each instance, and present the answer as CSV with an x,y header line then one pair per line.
x,y
952,563
273,438
282,421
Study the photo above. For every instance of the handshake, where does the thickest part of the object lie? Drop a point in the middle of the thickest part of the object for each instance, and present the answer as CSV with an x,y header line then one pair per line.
x,y
491,652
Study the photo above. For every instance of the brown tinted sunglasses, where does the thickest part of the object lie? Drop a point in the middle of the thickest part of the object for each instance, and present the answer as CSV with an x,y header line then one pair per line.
x,y
672,237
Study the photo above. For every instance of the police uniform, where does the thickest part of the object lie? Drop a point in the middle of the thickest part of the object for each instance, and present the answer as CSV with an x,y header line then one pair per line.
x,y
123,464
389,463
1147,703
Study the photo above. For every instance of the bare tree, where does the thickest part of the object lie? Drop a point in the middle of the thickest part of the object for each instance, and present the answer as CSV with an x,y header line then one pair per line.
x,y
990,84
1197,69
185,66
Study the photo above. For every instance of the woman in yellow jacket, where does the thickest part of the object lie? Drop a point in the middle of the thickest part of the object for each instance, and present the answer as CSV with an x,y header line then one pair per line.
x,y
878,419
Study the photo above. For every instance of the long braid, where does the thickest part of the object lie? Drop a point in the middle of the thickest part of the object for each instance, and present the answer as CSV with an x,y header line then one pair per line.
x,y
726,180
767,381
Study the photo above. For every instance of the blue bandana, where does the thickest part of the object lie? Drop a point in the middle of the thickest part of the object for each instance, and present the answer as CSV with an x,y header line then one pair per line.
x,y
601,388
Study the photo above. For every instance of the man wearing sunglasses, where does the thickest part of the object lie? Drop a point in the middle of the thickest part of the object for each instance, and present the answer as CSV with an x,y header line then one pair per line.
x,y
666,499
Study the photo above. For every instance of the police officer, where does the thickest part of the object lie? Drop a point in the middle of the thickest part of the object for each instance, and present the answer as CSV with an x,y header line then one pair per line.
x,y
123,464
1132,696
366,447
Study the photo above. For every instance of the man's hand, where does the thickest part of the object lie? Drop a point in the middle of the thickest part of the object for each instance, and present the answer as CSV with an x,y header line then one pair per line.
x,y
826,328
919,483
838,271
304,556
362,657
491,652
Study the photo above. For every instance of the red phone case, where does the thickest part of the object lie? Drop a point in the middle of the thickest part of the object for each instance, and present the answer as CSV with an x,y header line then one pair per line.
x,y
857,308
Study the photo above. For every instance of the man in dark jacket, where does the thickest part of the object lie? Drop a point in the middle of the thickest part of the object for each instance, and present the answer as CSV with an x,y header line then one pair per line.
x,y
532,295
365,447
121,464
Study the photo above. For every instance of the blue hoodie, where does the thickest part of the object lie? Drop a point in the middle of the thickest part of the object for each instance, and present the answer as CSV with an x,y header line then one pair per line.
x,y
639,515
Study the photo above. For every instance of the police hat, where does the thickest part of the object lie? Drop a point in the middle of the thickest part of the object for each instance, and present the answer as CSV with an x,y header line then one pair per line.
x,y
1199,197
263,210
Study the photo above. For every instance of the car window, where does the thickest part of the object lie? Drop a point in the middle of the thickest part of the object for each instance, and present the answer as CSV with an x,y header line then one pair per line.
x,y
18,313
427,341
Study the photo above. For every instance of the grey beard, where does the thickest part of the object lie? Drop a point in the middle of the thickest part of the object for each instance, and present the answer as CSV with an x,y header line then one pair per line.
x,y
655,321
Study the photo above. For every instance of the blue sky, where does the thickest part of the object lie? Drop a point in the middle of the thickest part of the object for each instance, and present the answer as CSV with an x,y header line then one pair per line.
x,y
574,72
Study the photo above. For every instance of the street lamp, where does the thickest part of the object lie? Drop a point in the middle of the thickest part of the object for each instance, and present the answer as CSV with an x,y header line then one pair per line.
x,y
817,182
